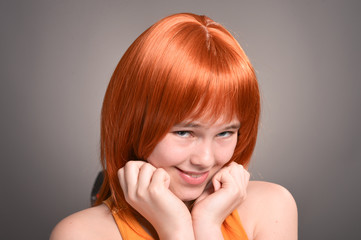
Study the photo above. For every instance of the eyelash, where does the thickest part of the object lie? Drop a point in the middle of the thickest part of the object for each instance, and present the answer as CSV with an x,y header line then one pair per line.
x,y
179,133
229,133
183,133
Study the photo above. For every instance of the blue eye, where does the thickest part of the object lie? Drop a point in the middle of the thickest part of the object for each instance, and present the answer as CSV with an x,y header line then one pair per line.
x,y
225,134
182,133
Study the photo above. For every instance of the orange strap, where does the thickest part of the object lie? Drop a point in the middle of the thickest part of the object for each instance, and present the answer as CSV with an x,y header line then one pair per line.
x,y
232,227
129,227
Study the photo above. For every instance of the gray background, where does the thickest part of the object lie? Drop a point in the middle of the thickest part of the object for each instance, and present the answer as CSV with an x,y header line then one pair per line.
x,y
57,58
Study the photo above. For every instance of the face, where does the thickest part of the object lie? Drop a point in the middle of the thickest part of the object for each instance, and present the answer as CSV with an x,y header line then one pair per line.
x,y
192,152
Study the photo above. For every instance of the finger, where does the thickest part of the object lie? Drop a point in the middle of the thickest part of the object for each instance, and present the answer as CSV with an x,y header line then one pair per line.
x,y
237,171
216,184
209,189
131,173
160,178
222,179
215,179
122,182
241,176
145,175
247,176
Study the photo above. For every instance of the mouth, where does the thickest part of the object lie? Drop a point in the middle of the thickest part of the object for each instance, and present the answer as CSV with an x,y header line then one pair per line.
x,y
193,178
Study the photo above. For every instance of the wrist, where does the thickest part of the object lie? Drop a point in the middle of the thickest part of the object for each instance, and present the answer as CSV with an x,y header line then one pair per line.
x,y
178,236
207,230
181,231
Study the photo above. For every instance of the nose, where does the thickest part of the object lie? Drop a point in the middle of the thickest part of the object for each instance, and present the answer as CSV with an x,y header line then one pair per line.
x,y
203,154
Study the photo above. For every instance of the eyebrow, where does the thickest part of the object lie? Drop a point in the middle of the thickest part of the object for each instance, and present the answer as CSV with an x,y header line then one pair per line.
x,y
196,125
233,126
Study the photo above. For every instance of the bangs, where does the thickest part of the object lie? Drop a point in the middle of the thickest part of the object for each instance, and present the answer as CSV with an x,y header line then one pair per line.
x,y
206,78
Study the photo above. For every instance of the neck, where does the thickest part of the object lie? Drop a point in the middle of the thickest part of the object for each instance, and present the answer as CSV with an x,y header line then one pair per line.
x,y
189,204
147,226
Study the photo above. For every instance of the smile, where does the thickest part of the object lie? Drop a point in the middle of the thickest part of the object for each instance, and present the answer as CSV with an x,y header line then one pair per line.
x,y
193,178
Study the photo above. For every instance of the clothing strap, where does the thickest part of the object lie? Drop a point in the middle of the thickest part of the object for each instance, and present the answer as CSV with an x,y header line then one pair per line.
x,y
130,228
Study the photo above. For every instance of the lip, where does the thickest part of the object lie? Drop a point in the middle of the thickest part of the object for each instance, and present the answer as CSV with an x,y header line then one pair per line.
x,y
193,178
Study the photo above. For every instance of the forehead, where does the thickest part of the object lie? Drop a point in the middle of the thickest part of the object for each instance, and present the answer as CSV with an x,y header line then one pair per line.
x,y
209,119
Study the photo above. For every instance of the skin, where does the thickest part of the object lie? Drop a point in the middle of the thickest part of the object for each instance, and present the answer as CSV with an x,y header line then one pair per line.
x,y
172,207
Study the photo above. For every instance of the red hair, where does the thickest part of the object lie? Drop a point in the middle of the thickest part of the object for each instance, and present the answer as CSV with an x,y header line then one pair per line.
x,y
183,66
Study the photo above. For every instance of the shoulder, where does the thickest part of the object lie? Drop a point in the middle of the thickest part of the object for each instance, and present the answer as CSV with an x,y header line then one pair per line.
x,y
270,211
92,223
267,191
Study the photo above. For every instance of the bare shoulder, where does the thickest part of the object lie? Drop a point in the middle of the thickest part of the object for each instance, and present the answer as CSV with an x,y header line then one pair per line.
x,y
91,224
267,191
269,212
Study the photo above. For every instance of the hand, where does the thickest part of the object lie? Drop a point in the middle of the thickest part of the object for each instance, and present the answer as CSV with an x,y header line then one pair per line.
x,y
146,189
227,191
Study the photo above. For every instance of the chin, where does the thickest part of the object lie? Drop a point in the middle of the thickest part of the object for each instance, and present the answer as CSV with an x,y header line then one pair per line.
x,y
188,195
189,199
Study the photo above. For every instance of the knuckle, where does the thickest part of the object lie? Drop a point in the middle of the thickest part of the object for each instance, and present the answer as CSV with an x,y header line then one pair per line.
x,y
129,163
134,164
244,196
154,191
240,167
139,194
131,196
237,192
231,164
128,198
147,166
160,171
120,172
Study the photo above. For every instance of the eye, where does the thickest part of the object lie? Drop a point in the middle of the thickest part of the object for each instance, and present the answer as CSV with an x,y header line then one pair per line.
x,y
182,133
225,134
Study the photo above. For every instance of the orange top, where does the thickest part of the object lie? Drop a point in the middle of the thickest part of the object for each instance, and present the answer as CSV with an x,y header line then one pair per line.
x,y
130,228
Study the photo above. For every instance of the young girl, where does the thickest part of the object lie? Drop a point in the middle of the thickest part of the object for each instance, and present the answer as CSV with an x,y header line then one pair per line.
x,y
179,125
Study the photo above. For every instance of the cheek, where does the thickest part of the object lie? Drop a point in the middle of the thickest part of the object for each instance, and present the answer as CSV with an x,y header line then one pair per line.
x,y
166,154
224,157
225,152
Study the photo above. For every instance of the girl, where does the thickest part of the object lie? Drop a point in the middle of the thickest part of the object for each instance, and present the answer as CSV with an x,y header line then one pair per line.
x,y
179,124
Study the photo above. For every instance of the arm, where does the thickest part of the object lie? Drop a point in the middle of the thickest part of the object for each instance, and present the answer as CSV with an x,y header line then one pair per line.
x,y
92,223
276,212
217,203
146,189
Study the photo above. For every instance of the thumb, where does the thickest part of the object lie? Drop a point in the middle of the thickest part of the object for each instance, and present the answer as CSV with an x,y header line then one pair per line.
x,y
222,179
216,184
207,191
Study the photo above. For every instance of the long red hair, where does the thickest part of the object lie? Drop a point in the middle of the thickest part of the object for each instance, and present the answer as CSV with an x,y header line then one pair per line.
x,y
183,66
